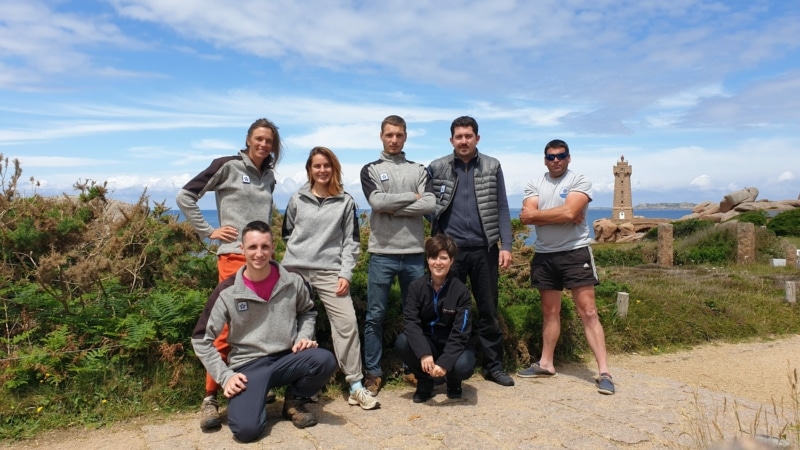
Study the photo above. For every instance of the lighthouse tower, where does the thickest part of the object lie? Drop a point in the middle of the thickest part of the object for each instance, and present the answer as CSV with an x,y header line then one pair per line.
x,y
622,208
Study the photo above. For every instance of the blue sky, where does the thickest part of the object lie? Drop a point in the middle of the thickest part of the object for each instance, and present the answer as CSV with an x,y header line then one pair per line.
x,y
701,97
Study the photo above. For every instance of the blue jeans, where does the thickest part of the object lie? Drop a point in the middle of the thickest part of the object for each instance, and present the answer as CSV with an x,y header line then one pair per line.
x,y
382,270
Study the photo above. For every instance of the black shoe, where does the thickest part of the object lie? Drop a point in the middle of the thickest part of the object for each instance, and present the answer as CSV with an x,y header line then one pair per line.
x,y
500,377
422,396
454,389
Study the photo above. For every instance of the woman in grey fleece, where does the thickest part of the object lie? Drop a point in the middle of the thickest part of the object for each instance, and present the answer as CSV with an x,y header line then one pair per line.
x,y
321,232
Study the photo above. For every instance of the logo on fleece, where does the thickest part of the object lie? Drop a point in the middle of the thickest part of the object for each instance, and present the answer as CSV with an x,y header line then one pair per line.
x,y
245,179
384,177
241,306
564,192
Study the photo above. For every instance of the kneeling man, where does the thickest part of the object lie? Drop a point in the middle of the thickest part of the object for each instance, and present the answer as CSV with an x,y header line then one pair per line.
x,y
271,318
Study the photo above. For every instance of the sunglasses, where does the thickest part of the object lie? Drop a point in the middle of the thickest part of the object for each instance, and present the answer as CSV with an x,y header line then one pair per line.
x,y
561,156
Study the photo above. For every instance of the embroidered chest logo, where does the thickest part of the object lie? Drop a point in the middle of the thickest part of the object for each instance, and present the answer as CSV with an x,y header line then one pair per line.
x,y
241,306
564,192
384,177
245,179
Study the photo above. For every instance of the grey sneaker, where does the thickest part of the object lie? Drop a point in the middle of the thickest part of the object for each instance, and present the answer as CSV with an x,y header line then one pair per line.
x,y
209,414
536,371
605,384
362,398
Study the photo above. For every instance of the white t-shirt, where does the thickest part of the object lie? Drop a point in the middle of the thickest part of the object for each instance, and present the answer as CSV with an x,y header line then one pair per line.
x,y
552,193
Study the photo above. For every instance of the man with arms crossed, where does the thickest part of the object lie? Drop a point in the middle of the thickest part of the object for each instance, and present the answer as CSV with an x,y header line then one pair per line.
x,y
472,208
556,204
399,194
270,317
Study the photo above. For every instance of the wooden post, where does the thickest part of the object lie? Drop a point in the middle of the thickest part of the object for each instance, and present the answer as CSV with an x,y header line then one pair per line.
x,y
622,304
665,242
790,292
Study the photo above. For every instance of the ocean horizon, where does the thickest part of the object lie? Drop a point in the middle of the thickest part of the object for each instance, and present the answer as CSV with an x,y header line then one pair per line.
x,y
592,215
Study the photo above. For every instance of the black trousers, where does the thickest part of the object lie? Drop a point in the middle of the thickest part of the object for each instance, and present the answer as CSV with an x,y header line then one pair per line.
x,y
480,264
463,368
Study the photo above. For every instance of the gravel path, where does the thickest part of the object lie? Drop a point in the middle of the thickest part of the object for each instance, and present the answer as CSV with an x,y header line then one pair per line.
x,y
677,400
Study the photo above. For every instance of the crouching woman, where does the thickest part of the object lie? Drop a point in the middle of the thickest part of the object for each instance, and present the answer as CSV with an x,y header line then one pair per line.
x,y
437,324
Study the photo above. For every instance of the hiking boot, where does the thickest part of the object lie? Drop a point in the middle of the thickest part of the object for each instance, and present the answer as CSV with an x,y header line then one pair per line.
x,y
410,378
294,409
499,377
362,398
372,384
209,414
270,397
605,384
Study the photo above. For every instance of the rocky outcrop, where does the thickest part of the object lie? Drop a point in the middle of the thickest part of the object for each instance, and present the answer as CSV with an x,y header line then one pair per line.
x,y
611,230
737,197
736,203
731,205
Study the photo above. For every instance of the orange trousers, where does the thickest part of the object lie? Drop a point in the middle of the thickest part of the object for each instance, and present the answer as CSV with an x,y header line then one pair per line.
x,y
227,265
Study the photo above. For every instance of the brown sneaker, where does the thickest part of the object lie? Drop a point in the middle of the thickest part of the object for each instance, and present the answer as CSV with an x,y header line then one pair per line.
x,y
373,384
410,378
209,414
294,409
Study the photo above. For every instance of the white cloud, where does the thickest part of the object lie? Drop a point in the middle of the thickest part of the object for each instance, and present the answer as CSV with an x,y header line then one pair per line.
x,y
702,182
786,176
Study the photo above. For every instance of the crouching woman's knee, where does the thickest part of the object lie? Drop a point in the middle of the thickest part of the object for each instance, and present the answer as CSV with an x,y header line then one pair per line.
x,y
465,365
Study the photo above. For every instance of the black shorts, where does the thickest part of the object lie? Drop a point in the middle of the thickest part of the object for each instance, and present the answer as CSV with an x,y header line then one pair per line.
x,y
567,269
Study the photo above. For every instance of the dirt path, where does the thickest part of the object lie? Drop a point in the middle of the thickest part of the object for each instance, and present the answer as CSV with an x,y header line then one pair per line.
x,y
676,400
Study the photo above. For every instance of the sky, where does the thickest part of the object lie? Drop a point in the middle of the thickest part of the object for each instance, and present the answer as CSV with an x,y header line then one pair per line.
x,y
701,97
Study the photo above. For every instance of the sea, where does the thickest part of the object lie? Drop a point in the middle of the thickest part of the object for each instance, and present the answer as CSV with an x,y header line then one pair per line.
x,y
592,215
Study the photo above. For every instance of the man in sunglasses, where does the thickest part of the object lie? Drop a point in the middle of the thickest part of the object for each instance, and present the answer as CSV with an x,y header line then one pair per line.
x,y
556,204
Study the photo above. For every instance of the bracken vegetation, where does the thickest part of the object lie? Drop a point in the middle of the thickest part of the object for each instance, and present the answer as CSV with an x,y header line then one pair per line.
x,y
98,300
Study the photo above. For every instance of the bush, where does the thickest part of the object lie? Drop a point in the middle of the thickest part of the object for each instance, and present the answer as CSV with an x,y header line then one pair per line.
x,y
710,246
786,223
758,217
612,254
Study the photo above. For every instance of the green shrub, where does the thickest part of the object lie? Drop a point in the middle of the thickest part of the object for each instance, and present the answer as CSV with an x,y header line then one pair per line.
x,y
758,217
786,223
684,228
619,254
710,246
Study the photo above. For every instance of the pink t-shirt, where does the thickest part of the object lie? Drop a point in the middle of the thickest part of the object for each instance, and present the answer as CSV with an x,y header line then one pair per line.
x,y
264,287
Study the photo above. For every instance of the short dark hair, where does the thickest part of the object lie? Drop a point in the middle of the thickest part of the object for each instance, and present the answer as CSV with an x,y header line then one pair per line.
x,y
393,120
275,155
439,242
256,225
556,143
464,121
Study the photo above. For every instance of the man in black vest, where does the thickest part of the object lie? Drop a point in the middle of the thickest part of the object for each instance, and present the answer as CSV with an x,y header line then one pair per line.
x,y
472,208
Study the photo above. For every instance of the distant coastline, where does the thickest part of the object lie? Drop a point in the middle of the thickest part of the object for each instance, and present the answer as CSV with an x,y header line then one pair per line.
x,y
652,206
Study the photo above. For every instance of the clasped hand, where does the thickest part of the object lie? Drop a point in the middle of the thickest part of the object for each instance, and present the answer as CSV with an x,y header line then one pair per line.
x,y
429,367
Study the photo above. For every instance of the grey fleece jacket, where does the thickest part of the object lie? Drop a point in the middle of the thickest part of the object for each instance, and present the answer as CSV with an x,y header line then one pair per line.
x,y
243,194
321,234
257,328
390,185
